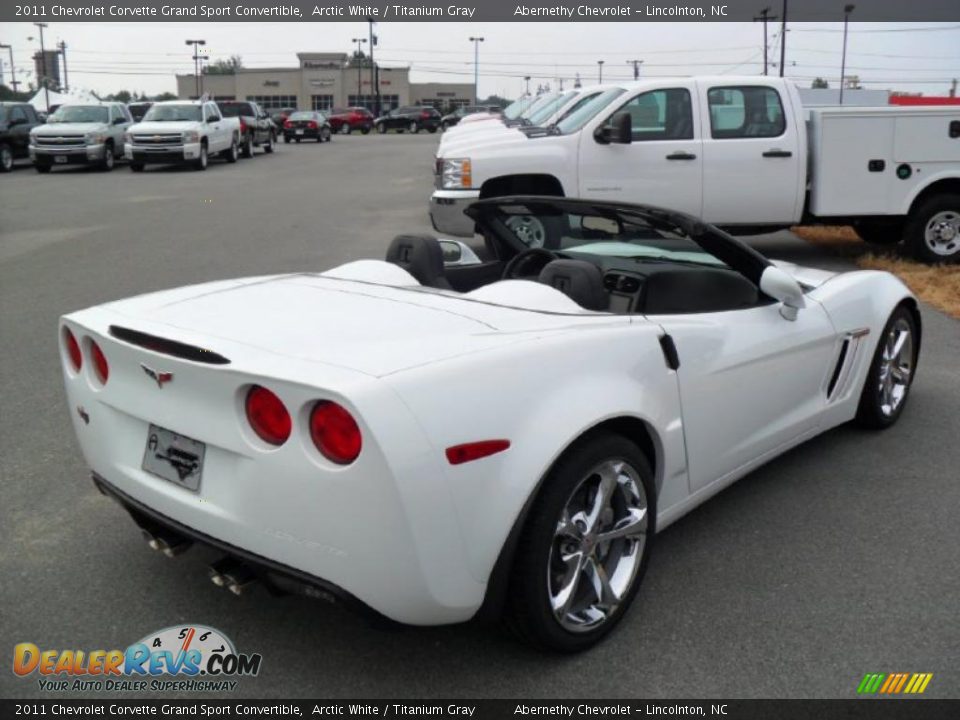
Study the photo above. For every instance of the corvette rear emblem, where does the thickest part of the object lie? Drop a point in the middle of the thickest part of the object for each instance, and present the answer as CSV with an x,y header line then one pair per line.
x,y
160,377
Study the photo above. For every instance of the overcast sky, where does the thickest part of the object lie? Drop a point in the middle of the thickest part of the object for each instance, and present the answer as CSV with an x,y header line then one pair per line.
x,y
107,57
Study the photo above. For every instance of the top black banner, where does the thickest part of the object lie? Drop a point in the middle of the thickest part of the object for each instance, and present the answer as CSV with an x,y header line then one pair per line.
x,y
474,11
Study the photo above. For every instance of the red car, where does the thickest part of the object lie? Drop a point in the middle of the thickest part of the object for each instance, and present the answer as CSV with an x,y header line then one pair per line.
x,y
346,120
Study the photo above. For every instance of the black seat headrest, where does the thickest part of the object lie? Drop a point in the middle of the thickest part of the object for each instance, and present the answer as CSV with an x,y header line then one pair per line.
x,y
579,280
421,256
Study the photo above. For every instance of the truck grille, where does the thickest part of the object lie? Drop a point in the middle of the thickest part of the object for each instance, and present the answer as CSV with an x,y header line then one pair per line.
x,y
158,139
59,140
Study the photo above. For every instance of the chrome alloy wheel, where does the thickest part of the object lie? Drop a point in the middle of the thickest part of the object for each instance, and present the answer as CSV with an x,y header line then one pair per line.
x,y
528,229
896,365
598,546
942,234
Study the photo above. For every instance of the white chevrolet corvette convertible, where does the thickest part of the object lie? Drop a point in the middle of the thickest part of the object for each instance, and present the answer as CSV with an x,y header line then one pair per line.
x,y
438,436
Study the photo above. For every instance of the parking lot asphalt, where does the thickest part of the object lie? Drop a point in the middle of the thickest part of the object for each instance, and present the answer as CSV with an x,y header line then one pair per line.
x,y
840,558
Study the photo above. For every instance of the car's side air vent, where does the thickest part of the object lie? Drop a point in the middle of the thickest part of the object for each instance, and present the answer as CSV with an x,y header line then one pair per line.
x,y
839,368
168,347
621,283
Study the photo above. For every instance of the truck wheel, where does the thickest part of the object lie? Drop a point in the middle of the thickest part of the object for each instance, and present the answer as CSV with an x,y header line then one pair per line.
x,y
136,167
108,159
444,126
268,145
346,129
233,153
413,127
879,233
6,158
201,162
286,139
381,128
365,129
42,168
248,147
932,233
325,135
585,547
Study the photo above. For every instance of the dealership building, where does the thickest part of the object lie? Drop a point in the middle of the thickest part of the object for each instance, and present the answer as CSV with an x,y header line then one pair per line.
x,y
324,81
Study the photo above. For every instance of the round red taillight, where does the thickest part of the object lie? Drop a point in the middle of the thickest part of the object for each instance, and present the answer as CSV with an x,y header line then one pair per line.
x,y
267,416
335,432
73,349
100,365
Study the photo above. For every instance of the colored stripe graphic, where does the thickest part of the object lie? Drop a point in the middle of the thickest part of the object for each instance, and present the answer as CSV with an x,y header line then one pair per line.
x,y
894,683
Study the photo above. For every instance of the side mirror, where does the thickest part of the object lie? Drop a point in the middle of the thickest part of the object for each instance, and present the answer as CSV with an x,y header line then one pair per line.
x,y
781,286
119,121
458,254
18,121
619,130
212,119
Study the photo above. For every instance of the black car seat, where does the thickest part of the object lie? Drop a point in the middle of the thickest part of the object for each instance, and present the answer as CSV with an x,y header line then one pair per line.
x,y
579,280
422,257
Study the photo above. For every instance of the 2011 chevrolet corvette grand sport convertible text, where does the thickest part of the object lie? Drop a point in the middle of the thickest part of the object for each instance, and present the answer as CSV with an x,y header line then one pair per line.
x,y
432,440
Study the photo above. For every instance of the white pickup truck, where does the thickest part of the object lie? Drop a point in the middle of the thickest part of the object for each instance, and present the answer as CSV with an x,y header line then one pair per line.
x,y
739,152
182,131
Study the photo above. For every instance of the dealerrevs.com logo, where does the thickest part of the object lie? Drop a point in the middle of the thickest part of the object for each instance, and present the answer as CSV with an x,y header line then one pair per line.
x,y
179,658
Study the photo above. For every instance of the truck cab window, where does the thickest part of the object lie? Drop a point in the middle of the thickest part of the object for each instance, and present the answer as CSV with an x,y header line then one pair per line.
x,y
745,112
664,114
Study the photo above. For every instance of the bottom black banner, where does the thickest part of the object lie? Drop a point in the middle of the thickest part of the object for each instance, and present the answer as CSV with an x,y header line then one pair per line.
x,y
874,709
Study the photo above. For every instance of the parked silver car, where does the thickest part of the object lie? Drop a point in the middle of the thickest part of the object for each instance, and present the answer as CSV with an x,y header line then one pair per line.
x,y
85,134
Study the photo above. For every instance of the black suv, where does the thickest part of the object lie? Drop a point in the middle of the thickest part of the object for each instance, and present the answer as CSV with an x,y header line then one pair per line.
x,y
17,119
412,118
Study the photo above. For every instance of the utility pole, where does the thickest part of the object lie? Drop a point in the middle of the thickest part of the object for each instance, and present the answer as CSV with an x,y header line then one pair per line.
x,y
527,79
600,72
783,38
196,63
636,68
374,73
43,65
13,76
953,83
359,59
63,52
476,68
843,62
765,16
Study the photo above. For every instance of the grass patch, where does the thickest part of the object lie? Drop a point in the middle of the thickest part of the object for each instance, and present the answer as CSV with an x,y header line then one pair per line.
x,y
938,285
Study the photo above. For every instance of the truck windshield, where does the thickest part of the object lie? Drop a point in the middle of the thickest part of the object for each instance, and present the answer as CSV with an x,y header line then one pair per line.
x,y
80,114
543,113
541,102
517,107
173,113
236,109
577,119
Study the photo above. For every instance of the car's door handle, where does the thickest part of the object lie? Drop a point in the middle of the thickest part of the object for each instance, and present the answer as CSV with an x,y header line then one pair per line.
x,y
681,156
778,153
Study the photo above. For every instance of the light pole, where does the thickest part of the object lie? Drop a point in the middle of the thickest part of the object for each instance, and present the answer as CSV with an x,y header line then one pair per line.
x,y
359,59
527,80
600,72
476,68
43,65
636,68
783,39
63,52
374,80
843,62
13,74
765,16
196,63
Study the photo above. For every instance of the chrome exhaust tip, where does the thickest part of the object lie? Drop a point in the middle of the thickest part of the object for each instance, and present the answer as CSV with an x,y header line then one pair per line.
x,y
231,574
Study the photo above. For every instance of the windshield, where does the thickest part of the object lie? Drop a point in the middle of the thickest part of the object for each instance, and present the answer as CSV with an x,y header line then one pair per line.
x,y
577,119
302,115
538,104
236,110
543,113
173,113
517,107
80,114
638,236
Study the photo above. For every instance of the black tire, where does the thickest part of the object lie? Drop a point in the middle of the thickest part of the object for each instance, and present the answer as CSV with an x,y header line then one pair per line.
x,y
413,127
381,128
6,158
879,233
529,612
346,129
432,130
298,140
268,145
201,162
233,152
136,167
286,139
935,223
247,151
325,135
109,160
42,167
365,129
444,126
872,412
